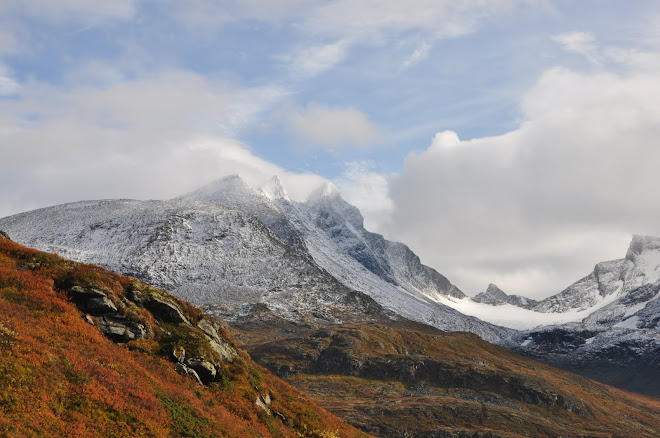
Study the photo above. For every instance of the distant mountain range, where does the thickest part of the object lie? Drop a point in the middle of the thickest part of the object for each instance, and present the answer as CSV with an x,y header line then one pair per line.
x,y
255,256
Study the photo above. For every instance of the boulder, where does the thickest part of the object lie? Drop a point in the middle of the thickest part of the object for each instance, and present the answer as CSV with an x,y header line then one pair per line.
x,y
204,369
120,329
100,306
185,371
217,342
165,311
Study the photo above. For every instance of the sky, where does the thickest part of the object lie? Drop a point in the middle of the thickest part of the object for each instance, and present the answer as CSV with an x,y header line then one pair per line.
x,y
512,142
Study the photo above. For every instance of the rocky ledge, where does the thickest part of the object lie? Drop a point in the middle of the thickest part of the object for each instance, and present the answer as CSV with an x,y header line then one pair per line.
x,y
148,319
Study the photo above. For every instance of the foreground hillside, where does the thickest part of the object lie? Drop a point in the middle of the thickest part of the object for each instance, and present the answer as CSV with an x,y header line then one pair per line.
x,y
89,353
407,379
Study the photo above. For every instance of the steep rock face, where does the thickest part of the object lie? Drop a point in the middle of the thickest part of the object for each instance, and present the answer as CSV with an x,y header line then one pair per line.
x,y
203,252
496,297
392,261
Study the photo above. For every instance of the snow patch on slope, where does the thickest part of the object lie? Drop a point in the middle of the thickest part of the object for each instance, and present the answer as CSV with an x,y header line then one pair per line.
x,y
507,315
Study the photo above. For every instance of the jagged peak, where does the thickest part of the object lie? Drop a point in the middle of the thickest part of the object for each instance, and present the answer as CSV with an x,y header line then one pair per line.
x,y
274,189
327,190
640,244
493,289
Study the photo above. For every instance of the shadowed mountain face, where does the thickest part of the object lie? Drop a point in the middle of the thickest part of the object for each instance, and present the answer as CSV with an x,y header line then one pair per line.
x,y
406,379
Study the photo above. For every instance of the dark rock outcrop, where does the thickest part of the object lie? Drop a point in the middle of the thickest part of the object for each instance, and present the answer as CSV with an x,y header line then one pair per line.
x,y
144,312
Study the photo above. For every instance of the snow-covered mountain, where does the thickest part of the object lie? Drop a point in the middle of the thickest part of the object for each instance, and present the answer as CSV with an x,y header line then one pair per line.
x,y
203,252
233,247
334,236
497,297
618,341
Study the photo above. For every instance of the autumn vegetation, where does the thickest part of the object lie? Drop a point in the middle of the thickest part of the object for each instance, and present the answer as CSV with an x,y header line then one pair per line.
x,y
61,377
408,379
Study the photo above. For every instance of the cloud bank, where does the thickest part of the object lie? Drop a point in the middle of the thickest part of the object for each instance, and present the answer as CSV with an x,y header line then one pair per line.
x,y
571,184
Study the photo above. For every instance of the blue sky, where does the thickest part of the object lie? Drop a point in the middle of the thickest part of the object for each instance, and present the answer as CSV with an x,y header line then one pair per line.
x,y
506,141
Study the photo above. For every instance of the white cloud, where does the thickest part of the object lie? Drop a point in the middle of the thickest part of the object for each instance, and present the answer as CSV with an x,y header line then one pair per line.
x,y
151,137
580,43
371,18
420,54
319,125
8,85
311,61
73,10
348,19
535,208
360,184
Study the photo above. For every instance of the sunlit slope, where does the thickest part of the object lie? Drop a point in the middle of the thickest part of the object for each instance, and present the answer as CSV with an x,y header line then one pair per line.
x,y
111,371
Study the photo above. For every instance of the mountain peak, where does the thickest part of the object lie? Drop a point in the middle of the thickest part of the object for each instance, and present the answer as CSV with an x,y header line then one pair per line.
x,y
495,291
274,189
640,244
221,189
327,190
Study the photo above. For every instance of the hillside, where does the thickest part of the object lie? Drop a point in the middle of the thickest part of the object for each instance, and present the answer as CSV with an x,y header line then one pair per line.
x,y
89,353
407,379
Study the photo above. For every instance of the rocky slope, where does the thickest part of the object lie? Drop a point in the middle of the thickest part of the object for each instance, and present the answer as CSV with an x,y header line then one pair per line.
x,y
406,379
497,297
89,353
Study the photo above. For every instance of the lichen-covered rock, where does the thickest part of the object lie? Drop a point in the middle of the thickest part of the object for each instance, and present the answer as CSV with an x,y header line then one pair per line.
x,y
179,354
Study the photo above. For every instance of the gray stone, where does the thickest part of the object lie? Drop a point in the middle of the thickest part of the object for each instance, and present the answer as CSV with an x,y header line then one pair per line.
x,y
4,235
120,329
185,371
100,305
87,292
165,311
204,369
217,342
